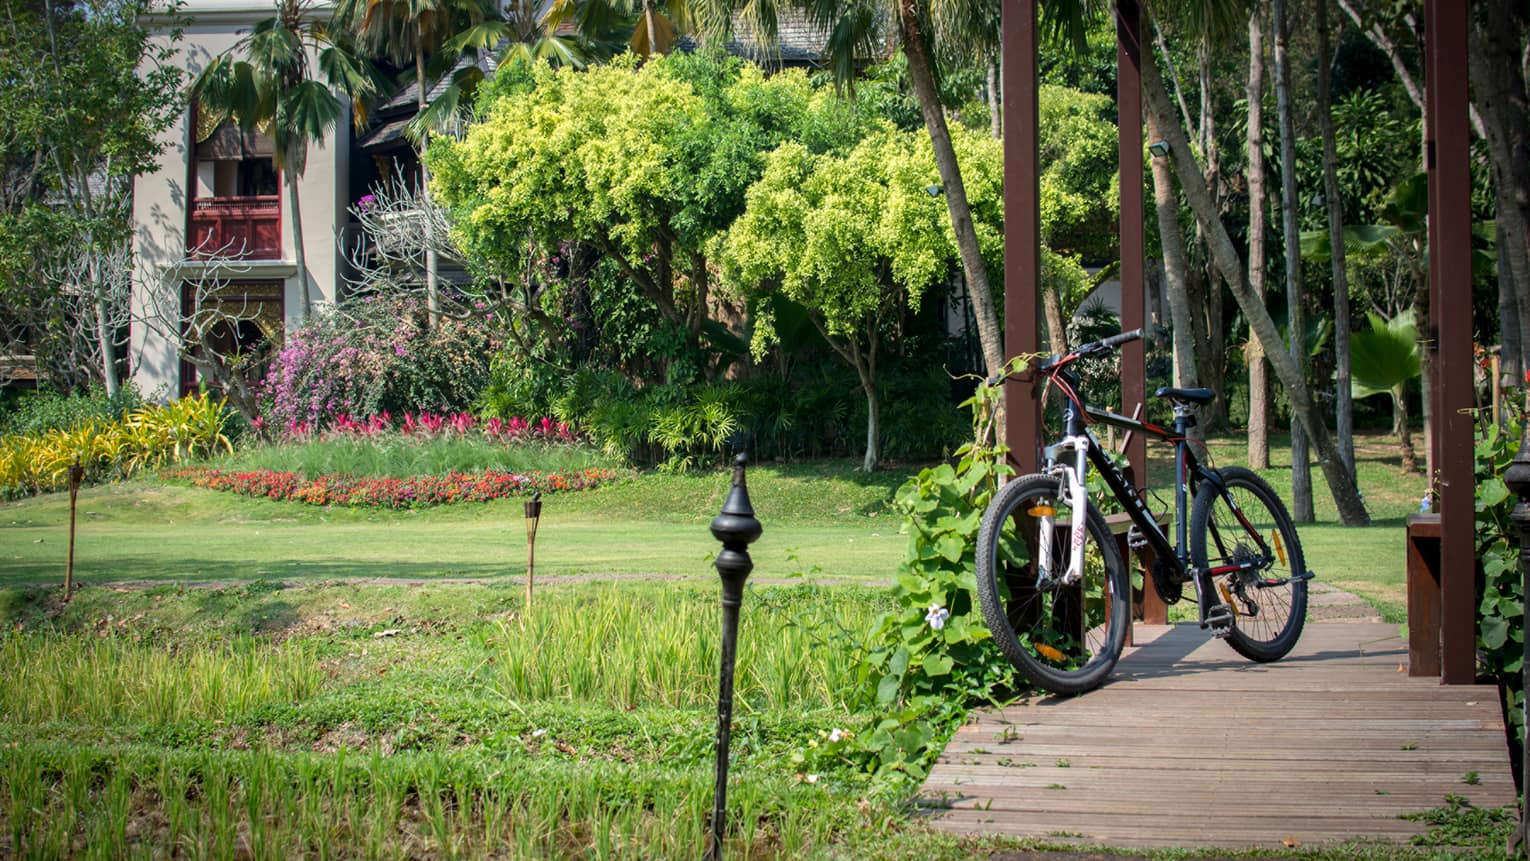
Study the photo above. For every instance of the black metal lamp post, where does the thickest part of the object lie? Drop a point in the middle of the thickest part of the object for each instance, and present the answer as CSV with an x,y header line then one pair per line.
x,y
735,527
1517,477
76,476
533,514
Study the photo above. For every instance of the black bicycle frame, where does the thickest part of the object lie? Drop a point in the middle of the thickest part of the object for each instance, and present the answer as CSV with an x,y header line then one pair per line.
x,y
1185,467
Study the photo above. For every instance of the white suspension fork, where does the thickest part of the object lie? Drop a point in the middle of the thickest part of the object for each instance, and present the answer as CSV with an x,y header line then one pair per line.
x,y
1078,499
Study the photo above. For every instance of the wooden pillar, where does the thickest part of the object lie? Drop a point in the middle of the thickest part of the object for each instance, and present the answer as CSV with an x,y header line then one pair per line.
x,y
1133,313
1022,226
1450,312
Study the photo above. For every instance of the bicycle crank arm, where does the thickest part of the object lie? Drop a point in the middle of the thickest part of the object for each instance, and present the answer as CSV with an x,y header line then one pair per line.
x,y
1294,578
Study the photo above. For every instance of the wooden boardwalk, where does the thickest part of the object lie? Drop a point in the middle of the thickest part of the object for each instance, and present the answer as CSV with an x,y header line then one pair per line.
x,y
1191,745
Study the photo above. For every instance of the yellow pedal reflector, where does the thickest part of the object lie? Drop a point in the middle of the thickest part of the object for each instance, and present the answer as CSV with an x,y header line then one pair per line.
x,y
1048,652
1227,597
1280,549
1041,511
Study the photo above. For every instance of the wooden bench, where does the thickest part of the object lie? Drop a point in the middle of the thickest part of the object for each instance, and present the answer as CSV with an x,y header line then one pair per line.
x,y
1147,606
1424,594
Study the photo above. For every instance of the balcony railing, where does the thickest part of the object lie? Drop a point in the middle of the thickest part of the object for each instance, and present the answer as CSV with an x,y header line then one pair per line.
x,y
248,228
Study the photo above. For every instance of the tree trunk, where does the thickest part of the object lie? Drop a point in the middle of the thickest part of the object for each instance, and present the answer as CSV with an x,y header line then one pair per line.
x,y
295,212
866,369
978,290
1301,470
1210,345
108,346
1511,371
1057,332
1499,32
1258,373
1171,238
1347,500
995,115
873,425
1400,428
432,264
1425,366
1344,404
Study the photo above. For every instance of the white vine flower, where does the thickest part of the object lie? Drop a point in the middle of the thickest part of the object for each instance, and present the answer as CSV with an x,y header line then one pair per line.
x,y
937,616
837,735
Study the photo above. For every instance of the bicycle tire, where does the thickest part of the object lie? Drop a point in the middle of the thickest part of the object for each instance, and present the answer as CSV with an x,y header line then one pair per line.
x,y
1035,627
1267,620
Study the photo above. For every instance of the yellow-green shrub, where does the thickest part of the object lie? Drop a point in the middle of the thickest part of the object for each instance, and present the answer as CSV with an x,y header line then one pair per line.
x,y
146,438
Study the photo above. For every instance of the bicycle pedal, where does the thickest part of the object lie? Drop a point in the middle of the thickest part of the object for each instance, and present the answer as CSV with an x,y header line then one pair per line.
x,y
1135,540
1219,620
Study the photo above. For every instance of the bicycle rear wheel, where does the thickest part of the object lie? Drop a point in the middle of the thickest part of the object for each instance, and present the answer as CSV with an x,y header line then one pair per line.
x,y
1063,638
1240,522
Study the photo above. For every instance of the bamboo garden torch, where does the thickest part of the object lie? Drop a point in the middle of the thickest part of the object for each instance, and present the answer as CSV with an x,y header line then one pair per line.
x,y
76,476
533,514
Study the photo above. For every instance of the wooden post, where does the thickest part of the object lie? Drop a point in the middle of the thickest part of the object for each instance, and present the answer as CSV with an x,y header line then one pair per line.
x,y
1450,313
1133,313
1022,227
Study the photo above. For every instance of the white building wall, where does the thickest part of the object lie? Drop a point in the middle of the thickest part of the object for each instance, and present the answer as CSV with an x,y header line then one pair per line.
x,y
161,198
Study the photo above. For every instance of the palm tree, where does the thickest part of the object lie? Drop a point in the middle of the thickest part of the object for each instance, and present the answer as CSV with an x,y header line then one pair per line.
x,y
273,91
422,34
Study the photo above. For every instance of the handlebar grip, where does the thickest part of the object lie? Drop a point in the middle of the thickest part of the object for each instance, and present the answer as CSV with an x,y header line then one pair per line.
x,y
1117,340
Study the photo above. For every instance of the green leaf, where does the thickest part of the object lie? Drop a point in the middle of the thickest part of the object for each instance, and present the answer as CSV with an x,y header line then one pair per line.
x,y
951,547
1491,491
937,666
887,689
1495,631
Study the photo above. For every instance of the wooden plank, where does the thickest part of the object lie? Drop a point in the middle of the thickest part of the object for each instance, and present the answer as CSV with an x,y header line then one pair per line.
x,y
1336,732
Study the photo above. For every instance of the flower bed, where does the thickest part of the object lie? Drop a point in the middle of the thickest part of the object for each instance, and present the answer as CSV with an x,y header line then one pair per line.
x,y
416,492
428,425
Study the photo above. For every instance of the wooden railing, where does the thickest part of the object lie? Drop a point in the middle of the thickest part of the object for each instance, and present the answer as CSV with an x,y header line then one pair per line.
x,y
244,227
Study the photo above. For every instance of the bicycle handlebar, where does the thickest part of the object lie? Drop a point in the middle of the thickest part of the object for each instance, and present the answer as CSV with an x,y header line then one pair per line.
x,y
1110,343
1100,346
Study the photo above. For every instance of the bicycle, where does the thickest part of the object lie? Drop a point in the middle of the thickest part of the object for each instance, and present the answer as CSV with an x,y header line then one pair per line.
x,y
1053,587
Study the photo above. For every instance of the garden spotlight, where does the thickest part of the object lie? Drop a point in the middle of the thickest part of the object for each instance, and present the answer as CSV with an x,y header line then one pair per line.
x,y
934,190
1159,149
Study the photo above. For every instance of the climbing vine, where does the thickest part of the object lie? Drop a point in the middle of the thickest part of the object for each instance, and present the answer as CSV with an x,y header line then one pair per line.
x,y
930,659
1501,610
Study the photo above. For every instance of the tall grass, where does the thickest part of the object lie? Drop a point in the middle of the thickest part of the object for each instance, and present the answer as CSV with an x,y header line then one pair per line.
x,y
114,681
397,456
58,802
627,648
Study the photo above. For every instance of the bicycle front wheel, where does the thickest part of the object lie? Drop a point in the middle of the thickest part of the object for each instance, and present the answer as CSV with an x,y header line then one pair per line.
x,y
1243,523
1065,638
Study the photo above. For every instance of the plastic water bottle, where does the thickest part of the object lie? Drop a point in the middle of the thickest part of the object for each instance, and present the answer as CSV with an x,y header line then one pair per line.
x,y
1423,505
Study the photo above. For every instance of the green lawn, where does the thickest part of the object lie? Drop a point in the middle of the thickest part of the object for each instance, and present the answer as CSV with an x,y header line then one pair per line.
x,y
822,520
